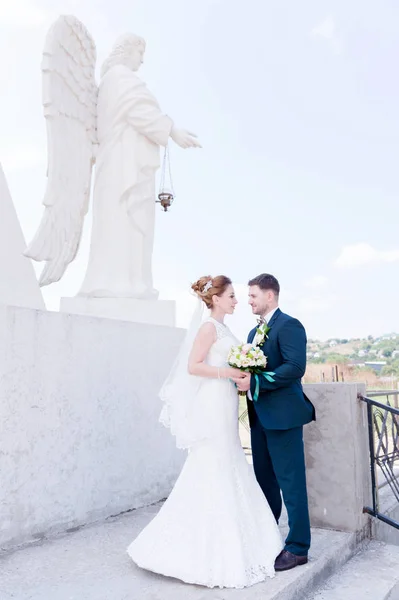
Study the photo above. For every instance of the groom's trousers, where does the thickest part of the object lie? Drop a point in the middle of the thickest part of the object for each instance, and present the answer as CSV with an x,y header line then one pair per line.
x,y
279,465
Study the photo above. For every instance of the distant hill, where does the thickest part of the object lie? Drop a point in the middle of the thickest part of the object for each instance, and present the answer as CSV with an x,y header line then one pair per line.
x,y
378,353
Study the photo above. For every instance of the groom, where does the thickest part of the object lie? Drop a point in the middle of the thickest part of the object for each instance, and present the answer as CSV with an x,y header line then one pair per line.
x,y
277,411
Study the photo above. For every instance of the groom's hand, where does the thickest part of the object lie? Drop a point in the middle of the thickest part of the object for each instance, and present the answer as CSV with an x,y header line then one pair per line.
x,y
244,383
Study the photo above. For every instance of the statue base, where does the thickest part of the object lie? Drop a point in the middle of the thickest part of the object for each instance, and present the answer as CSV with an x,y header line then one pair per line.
x,y
151,312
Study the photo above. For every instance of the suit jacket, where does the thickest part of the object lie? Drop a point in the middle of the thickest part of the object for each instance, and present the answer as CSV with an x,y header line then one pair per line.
x,y
282,404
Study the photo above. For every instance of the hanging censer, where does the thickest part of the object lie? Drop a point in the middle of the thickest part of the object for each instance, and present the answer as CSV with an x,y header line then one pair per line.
x,y
166,194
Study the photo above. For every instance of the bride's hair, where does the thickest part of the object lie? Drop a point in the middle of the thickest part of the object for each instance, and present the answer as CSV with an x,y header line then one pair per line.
x,y
206,287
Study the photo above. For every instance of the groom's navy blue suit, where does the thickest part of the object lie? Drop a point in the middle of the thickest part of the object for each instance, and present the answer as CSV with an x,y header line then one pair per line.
x,y
277,420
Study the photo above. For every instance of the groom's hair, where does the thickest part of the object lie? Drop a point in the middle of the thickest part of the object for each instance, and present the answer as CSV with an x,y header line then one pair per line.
x,y
266,282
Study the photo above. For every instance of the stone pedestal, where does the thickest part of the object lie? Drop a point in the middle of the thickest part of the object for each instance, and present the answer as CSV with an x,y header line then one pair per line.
x,y
337,457
152,312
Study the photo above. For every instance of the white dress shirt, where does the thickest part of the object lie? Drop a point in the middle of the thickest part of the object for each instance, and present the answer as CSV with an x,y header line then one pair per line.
x,y
270,314
267,319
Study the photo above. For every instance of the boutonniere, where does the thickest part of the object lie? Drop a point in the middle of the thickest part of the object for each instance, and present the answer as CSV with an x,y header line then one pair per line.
x,y
261,334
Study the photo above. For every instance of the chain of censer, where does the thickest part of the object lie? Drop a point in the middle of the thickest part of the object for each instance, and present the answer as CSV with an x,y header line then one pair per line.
x,y
166,164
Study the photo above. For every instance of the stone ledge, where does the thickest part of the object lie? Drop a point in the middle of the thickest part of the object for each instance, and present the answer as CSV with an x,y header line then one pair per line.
x,y
369,575
151,312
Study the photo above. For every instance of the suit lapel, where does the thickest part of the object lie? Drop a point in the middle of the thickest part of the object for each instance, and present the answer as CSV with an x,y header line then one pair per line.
x,y
270,324
251,335
274,317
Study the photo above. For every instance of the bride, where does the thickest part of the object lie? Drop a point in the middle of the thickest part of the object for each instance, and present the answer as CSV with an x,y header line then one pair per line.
x,y
216,528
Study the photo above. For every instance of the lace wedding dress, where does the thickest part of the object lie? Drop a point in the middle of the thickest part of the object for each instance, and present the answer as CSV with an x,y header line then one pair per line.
x,y
216,528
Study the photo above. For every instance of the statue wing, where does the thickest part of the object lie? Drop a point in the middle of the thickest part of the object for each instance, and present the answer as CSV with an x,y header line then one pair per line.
x,y
70,106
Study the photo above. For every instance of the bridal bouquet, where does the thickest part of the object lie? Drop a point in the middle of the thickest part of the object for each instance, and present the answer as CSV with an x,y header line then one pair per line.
x,y
247,357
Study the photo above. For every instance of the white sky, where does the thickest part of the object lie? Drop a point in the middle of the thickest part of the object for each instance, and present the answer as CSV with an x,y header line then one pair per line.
x,y
296,105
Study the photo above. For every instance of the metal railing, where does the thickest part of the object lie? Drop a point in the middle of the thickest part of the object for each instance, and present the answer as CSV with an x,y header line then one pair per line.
x,y
383,432
388,395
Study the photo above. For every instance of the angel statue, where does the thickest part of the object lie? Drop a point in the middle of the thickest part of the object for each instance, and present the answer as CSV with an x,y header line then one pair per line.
x,y
119,127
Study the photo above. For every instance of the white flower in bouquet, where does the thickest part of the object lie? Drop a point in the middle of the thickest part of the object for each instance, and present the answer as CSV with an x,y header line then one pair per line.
x,y
247,357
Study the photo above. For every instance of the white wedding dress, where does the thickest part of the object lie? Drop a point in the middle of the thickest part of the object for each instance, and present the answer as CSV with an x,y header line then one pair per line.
x,y
216,528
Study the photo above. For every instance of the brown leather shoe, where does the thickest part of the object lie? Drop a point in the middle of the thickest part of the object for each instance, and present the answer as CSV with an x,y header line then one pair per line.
x,y
286,560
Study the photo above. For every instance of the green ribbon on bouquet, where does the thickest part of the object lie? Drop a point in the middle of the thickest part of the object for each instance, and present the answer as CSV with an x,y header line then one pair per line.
x,y
268,375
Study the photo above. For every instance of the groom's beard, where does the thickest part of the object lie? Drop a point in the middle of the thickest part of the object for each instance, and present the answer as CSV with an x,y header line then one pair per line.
x,y
261,312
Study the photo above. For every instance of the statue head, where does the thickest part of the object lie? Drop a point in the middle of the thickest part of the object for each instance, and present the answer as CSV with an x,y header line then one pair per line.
x,y
128,50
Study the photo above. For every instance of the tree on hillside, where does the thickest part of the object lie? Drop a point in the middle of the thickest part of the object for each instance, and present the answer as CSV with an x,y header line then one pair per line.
x,y
334,357
391,369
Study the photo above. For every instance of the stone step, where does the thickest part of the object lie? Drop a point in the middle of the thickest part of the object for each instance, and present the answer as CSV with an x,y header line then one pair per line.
x,y
372,574
92,564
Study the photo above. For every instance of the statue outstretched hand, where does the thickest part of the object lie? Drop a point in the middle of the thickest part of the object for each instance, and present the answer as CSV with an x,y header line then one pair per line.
x,y
184,139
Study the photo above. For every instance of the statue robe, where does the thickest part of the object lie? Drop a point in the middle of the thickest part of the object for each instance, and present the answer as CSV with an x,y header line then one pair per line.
x,y
130,127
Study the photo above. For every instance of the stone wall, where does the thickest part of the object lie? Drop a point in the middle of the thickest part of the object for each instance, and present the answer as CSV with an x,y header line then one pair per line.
x,y
337,457
80,438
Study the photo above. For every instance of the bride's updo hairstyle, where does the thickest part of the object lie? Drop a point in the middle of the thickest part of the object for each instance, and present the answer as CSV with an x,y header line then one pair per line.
x,y
206,287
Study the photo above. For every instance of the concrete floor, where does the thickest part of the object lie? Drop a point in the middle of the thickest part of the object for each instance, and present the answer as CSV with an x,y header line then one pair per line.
x,y
92,564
